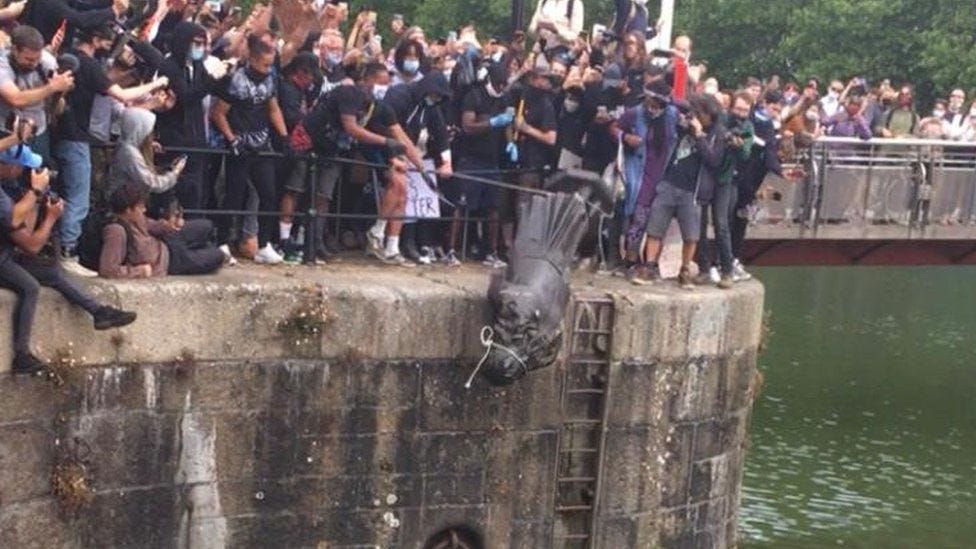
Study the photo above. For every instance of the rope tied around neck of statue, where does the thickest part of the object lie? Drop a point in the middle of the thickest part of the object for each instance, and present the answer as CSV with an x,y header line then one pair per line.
x,y
488,341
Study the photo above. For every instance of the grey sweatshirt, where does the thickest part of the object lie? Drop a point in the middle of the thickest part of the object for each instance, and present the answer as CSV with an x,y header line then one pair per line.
x,y
128,163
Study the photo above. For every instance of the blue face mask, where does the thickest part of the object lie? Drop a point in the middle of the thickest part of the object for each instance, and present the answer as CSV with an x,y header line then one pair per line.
x,y
333,58
197,53
411,66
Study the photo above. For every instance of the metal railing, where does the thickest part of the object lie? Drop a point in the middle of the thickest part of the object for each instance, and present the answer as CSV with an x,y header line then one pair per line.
x,y
874,189
312,214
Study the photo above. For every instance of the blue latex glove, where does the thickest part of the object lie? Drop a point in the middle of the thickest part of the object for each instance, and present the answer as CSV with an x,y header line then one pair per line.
x,y
513,154
501,120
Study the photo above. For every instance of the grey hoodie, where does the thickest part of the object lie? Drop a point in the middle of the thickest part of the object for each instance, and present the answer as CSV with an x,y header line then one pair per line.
x,y
128,163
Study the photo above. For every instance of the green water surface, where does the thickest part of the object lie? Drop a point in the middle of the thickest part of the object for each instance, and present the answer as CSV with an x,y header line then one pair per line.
x,y
865,432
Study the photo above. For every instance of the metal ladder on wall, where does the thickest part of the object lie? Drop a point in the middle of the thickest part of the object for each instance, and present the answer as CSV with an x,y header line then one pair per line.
x,y
581,439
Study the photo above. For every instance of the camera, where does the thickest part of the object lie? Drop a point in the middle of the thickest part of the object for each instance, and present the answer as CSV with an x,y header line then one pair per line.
x,y
607,37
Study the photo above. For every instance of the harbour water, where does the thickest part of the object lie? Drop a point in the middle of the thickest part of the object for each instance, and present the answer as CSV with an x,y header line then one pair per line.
x,y
865,432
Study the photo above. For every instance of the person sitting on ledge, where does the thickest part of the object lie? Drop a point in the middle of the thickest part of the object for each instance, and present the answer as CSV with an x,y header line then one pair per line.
x,y
135,246
28,262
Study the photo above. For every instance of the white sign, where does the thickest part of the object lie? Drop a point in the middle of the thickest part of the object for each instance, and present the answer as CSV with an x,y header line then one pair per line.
x,y
422,201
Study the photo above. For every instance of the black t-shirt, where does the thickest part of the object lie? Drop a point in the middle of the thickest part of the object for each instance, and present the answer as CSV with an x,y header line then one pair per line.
x,y
248,98
541,115
6,225
324,123
484,146
683,169
90,80
295,103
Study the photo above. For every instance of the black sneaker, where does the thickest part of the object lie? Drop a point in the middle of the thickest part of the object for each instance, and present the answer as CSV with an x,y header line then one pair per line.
x,y
26,363
109,317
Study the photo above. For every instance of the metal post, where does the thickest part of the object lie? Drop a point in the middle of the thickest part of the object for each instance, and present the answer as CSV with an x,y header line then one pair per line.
x,y
312,225
518,16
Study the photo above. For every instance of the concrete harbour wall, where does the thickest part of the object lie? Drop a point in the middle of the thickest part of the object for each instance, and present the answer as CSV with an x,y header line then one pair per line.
x,y
326,408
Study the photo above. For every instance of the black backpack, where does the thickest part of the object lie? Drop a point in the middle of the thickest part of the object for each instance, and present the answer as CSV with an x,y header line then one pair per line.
x,y
90,244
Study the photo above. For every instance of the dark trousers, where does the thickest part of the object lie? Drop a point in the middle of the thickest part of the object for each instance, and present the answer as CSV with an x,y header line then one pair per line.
x,y
721,207
189,189
745,196
260,172
25,275
191,250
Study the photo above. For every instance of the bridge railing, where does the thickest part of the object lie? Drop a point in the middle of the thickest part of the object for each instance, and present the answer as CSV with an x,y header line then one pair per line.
x,y
875,189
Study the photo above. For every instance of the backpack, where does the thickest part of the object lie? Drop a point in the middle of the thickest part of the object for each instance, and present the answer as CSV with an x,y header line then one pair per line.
x,y
90,244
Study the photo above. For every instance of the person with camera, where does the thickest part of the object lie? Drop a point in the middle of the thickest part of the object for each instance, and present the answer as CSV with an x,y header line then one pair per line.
x,y
25,261
699,161
72,149
739,141
30,82
764,158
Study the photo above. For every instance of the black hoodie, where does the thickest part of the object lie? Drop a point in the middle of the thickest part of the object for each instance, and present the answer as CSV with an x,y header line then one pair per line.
x,y
415,114
184,124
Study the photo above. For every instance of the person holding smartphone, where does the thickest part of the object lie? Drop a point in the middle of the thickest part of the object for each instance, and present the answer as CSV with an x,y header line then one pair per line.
x,y
25,231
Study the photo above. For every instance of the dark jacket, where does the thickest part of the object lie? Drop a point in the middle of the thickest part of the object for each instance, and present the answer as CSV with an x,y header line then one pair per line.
x,y
763,159
46,16
415,115
184,124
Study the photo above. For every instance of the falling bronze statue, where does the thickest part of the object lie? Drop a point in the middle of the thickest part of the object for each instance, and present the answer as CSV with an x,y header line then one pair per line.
x,y
530,296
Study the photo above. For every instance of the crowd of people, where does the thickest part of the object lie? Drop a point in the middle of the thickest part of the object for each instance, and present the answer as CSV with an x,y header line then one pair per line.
x,y
123,125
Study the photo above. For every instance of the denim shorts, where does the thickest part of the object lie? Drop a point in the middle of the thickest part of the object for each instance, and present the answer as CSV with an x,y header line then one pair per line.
x,y
673,202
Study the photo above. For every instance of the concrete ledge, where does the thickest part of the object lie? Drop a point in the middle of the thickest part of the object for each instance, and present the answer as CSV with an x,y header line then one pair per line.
x,y
250,312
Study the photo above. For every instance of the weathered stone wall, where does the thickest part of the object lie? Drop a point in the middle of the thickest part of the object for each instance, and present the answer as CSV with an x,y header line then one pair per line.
x,y
233,424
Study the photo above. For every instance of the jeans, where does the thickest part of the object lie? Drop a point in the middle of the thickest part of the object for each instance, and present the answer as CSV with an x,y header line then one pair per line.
x,y
25,275
259,172
723,201
74,158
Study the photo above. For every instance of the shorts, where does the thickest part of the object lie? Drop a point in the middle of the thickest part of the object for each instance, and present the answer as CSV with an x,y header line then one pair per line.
x,y
672,202
327,178
474,195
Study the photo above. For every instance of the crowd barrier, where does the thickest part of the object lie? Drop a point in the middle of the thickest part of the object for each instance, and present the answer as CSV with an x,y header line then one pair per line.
x,y
875,189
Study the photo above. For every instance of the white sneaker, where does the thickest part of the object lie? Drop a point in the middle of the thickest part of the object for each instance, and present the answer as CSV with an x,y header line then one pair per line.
x,y
229,258
427,256
713,275
374,245
451,259
493,261
268,256
398,260
71,265
739,273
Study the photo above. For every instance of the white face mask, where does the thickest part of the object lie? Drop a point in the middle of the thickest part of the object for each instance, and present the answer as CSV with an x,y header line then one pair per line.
x,y
571,106
938,113
832,94
812,116
379,91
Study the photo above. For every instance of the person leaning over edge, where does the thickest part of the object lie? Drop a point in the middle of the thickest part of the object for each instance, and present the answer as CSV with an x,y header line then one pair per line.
x,y
25,228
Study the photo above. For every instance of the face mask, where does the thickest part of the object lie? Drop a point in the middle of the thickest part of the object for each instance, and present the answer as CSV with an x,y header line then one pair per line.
x,y
197,53
571,106
640,2
492,91
333,59
833,95
496,57
447,74
379,91
812,116
938,113
411,66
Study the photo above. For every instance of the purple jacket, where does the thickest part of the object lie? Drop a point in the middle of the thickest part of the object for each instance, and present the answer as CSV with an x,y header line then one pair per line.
x,y
842,125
